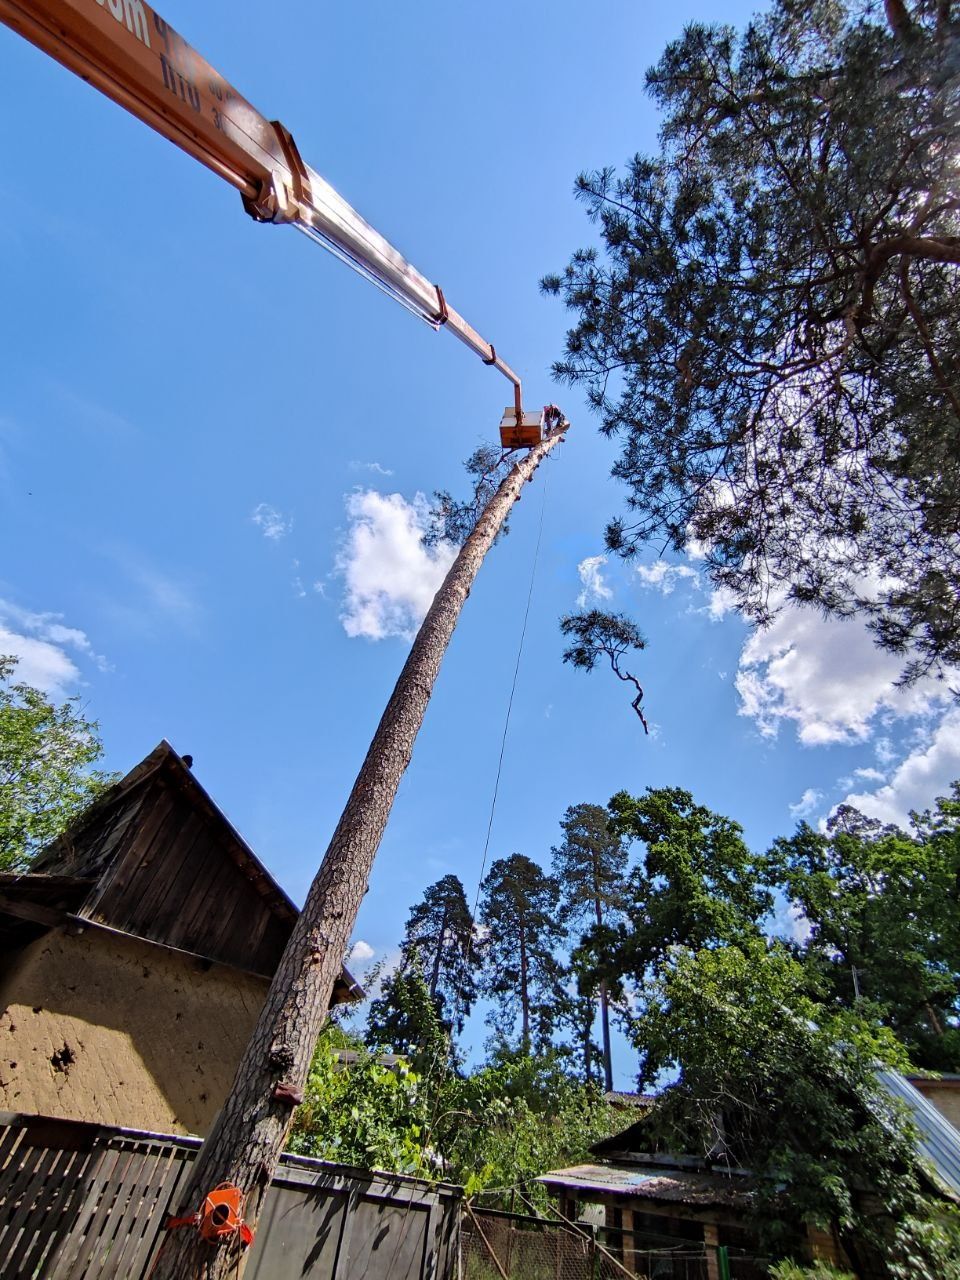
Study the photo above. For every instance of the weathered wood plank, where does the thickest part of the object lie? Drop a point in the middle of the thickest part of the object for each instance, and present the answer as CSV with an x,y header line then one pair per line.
x,y
104,1186
203,887
135,859
170,1169
60,1234
47,1189
89,1204
129,1197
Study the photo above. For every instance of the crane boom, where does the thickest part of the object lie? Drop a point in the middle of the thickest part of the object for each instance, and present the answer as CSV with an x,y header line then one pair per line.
x,y
127,51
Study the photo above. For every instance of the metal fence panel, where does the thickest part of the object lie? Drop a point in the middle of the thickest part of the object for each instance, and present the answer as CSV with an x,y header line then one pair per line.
x,y
542,1249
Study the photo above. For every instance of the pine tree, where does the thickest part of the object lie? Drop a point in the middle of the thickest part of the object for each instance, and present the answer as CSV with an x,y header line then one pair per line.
x,y
403,1019
777,290
520,910
250,1129
590,865
440,933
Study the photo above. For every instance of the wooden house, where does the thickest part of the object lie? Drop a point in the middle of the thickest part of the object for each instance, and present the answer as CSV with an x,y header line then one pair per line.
x,y
653,1202
135,957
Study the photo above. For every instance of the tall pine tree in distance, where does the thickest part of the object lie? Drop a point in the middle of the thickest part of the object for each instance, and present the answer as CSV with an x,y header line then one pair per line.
x,y
520,911
590,865
439,933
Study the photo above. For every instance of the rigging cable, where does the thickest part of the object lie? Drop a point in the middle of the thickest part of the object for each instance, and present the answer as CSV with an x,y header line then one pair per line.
x,y
513,689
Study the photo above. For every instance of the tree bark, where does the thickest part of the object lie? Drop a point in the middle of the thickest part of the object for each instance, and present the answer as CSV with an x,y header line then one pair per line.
x,y
605,1030
435,975
604,998
524,993
250,1130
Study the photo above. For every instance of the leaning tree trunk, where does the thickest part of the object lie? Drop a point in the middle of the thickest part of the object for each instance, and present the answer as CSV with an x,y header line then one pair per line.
x,y
249,1132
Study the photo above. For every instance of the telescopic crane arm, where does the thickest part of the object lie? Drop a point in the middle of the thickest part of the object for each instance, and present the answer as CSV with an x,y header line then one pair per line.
x,y
127,51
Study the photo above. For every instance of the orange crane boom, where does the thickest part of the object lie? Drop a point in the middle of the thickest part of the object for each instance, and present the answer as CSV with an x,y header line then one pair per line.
x,y
127,51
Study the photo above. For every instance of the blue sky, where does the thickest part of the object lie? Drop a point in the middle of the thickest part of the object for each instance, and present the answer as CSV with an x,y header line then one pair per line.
x,y
212,439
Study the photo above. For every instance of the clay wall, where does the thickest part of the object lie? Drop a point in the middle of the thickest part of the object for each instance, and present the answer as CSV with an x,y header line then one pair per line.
x,y
120,1031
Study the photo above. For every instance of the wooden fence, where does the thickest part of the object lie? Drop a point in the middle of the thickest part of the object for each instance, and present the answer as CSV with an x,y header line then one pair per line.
x,y
79,1201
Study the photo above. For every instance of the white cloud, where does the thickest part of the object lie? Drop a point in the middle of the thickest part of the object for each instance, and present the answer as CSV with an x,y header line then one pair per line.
x,y
375,467
806,804
869,775
594,589
270,522
390,577
359,952
722,601
923,775
790,922
827,677
664,577
40,641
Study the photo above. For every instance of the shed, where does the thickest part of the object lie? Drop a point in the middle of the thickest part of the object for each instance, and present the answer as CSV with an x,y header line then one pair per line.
x,y
135,957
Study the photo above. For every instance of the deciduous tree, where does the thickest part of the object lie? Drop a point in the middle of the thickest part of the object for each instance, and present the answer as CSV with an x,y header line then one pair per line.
x,y
884,917
46,779
695,884
771,1081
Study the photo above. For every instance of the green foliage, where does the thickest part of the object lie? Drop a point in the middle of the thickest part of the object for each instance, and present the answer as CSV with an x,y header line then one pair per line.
x,y
454,520
695,885
778,1084
502,1125
440,932
886,905
519,909
364,1113
590,865
404,1019
45,777
817,1271
596,635
772,327
528,1115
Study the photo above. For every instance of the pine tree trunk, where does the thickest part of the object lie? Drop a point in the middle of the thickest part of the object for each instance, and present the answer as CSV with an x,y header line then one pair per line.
x,y
524,994
435,975
250,1130
605,1029
604,998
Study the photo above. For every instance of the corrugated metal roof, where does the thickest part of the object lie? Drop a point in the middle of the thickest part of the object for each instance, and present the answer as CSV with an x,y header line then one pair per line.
x,y
652,1182
938,1141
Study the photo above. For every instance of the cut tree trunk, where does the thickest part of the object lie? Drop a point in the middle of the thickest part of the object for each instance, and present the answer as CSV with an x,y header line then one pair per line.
x,y
250,1130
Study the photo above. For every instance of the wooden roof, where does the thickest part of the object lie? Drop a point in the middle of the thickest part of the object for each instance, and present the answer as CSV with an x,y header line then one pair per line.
x,y
156,858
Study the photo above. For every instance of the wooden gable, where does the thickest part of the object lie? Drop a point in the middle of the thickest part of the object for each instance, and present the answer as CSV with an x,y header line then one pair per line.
x,y
160,861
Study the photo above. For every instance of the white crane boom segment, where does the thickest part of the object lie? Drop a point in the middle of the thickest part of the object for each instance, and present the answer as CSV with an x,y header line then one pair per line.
x,y
126,50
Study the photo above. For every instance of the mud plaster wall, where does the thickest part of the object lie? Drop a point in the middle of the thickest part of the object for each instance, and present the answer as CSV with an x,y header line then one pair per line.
x,y
945,1096
119,1031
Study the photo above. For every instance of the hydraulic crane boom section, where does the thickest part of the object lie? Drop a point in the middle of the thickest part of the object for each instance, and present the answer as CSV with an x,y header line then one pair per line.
x,y
125,49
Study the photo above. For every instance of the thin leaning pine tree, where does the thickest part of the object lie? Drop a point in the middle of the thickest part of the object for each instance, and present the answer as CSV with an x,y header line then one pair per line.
x,y
250,1130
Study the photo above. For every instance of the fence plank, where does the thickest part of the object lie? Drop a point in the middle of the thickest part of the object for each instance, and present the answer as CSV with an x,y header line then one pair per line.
x,y
40,1165
103,1191
88,1203
66,1198
169,1169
